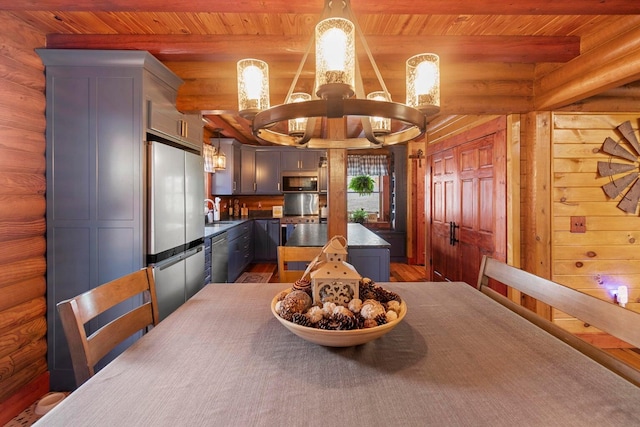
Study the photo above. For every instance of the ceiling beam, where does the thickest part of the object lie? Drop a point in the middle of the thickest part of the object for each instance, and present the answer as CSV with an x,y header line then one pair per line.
x,y
612,64
195,47
426,7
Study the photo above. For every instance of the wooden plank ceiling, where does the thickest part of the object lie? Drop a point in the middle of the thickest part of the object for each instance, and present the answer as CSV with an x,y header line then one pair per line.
x,y
496,57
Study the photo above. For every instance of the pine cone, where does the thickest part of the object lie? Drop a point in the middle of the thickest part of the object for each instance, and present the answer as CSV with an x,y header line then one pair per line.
x,y
326,323
366,290
301,319
345,322
381,319
384,295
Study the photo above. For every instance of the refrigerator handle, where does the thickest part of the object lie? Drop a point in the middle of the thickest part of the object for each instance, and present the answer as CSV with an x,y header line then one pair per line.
x,y
170,263
193,251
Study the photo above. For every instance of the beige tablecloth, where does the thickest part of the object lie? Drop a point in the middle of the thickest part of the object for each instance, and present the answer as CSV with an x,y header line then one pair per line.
x,y
458,358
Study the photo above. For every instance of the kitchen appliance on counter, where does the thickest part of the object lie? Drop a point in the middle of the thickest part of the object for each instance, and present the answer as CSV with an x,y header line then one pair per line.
x,y
175,238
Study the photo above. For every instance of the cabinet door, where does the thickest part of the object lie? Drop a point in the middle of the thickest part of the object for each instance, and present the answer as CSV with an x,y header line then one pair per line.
x,y
267,172
309,159
227,182
192,130
248,171
299,160
289,160
323,179
163,117
267,239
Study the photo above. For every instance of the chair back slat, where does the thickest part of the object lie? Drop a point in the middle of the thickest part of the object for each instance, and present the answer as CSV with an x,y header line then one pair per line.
x,y
85,351
288,254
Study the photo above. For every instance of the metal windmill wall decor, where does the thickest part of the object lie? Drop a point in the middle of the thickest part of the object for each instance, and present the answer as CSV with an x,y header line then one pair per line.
x,y
628,183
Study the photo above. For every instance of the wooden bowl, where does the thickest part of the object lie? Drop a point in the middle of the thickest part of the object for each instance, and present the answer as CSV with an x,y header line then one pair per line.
x,y
333,338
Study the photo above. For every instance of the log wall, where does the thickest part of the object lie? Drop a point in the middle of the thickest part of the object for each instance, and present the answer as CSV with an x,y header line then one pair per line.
x,y
23,326
608,253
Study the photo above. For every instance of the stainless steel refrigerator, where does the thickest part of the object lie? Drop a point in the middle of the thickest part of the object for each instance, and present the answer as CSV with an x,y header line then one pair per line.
x,y
175,239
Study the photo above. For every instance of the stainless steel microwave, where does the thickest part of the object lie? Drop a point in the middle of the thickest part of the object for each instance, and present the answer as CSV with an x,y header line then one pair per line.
x,y
296,182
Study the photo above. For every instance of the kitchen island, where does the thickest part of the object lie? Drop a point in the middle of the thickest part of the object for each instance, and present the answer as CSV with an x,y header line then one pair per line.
x,y
368,252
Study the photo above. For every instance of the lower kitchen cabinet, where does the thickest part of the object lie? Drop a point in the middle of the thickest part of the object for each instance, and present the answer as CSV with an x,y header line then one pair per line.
x,y
267,238
207,260
373,263
240,245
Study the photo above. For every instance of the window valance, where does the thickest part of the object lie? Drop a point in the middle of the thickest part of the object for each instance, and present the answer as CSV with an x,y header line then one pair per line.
x,y
367,164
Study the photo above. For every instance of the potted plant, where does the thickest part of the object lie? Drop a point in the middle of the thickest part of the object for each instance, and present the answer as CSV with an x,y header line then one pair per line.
x,y
362,184
359,215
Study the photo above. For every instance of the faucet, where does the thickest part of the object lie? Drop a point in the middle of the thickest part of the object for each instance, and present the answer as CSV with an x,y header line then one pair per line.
x,y
206,205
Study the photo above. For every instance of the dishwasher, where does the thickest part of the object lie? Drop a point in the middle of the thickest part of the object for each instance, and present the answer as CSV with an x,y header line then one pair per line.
x,y
219,258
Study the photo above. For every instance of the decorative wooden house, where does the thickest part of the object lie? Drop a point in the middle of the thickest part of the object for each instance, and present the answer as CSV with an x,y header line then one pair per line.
x,y
332,278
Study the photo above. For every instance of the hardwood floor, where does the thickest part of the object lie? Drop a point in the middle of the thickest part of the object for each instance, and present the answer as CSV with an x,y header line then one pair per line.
x,y
399,272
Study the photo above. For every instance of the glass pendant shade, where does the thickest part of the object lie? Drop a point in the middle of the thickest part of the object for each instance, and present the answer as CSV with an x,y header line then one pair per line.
x,y
220,160
423,82
253,87
297,127
335,58
380,125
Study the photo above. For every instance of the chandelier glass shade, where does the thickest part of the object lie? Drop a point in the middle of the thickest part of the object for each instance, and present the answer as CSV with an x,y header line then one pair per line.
x,y
298,126
335,58
339,92
253,87
380,125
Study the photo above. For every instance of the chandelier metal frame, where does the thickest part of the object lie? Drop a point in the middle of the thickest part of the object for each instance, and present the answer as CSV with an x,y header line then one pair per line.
x,y
414,120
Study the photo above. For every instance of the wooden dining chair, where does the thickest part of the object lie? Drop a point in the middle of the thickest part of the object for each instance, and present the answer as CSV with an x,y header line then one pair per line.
x,y
289,254
87,351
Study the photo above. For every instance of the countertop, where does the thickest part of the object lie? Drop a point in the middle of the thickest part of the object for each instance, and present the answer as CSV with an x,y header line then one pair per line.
x,y
219,227
316,235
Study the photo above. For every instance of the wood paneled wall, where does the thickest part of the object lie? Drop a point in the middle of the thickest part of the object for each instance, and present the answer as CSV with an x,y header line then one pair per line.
x,y
608,253
23,327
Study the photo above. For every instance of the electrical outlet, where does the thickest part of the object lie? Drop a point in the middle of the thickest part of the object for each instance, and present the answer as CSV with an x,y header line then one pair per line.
x,y
578,224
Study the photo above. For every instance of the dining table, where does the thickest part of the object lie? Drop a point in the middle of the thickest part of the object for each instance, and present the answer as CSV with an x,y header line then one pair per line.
x,y
458,358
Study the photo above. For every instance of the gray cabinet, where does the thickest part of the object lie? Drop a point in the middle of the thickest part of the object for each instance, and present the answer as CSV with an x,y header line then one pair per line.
x,y
267,172
207,260
96,124
248,175
266,239
227,182
165,120
299,159
373,263
240,243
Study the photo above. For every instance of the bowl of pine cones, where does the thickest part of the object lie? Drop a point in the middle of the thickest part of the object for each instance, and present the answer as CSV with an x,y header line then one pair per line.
x,y
375,313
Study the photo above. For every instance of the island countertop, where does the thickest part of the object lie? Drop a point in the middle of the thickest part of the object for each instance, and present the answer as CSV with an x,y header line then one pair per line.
x,y
358,236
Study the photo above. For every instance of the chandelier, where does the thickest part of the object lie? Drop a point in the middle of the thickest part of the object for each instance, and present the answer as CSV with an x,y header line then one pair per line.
x,y
339,91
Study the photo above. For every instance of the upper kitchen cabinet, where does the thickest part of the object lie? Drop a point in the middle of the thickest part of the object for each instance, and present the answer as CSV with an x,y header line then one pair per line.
x,y
166,121
260,171
227,182
299,159
96,215
248,174
267,172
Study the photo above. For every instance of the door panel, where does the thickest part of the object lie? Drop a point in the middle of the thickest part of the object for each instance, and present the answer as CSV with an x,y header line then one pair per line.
x,y
467,206
443,205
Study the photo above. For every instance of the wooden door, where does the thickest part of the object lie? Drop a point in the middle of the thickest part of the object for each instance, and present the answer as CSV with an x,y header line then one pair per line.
x,y
468,204
444,206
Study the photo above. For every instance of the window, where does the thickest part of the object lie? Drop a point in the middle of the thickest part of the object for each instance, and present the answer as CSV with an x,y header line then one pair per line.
x,y
370,202
377,167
